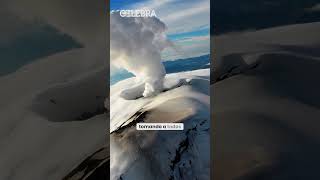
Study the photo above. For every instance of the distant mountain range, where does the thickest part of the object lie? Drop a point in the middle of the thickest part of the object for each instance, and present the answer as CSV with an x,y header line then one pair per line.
x,y
174,66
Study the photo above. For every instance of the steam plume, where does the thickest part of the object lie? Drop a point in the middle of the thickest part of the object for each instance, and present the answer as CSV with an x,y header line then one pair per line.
x,y
136,44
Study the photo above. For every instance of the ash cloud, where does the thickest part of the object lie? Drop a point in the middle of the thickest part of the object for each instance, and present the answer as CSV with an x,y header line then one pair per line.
x,y
135,45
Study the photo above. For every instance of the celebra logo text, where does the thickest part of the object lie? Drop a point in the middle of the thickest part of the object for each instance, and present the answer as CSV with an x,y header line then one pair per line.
x,y
138,13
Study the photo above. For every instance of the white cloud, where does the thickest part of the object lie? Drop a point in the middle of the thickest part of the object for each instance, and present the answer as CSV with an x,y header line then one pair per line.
x,y
188,47
201,8
180,16
153,4
195,39
136,45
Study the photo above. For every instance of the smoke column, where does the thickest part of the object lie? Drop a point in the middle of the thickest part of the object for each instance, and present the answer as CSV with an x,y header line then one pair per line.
x,y
135,45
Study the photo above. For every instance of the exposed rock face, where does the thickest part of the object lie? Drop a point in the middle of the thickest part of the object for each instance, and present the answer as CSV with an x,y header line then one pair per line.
x,y
92,168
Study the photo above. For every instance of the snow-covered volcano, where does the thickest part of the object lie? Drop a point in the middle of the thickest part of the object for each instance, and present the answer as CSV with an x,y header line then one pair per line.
x,y
161,154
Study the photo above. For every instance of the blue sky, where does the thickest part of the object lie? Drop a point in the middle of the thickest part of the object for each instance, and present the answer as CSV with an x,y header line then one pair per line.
x,y
188,23
197,32
121,4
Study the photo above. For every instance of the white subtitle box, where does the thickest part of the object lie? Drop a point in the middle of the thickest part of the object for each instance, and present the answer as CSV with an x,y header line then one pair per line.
x,y
160,126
